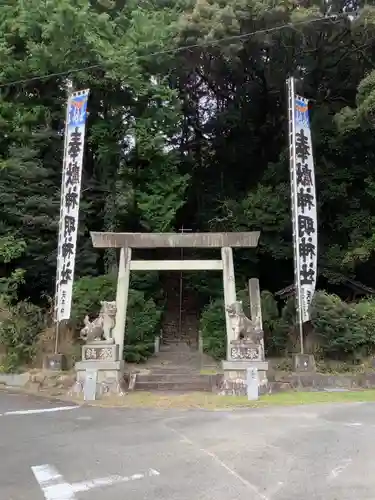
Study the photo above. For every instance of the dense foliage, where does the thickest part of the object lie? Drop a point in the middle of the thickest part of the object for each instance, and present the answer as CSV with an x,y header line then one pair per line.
x,y
340,330
185,136
276,327
143,315
344,330
20,326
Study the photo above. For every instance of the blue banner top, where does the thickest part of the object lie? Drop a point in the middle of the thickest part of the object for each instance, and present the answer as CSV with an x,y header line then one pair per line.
x,y
301,112
77,108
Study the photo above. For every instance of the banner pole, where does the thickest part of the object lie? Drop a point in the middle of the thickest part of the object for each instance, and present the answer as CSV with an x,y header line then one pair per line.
x,y
59,237
293,185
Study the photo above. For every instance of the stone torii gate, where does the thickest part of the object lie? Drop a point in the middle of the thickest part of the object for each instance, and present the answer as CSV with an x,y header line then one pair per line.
x,y
128,241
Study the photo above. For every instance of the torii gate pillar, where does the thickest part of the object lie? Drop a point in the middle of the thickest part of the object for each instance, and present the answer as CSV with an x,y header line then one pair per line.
x,y
122,294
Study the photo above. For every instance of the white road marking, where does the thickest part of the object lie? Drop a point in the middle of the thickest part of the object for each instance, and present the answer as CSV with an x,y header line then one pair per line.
x,y
39,410
52,483
54,486
353,424
110,480
340,468
235,474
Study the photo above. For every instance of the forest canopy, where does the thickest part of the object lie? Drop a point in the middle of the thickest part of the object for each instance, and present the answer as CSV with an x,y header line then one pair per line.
x,y
187,127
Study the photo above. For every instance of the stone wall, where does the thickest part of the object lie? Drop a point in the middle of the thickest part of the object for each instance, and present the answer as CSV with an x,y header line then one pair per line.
x,y
59,383
284,381
56,383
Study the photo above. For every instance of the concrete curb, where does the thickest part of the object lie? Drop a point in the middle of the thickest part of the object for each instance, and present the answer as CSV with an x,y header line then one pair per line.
x,y
14,379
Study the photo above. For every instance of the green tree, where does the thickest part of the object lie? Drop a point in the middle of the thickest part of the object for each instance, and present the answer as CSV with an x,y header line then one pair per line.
x,y
125,93
11,249
194,136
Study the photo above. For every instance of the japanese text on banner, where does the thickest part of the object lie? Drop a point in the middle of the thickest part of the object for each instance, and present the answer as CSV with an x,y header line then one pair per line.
x,y
71,189
306,207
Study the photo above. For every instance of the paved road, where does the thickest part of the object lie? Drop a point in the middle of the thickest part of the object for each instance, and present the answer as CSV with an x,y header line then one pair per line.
x,y
323,452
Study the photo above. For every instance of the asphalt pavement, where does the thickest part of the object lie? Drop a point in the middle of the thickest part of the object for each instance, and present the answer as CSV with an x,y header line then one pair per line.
x,y
56,451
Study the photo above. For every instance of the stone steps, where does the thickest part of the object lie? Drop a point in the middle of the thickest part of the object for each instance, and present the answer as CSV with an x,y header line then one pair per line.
x,y
188,337
180,357
177,377
170,386
191,342
177,366
182,382
171,317
167,370
176,341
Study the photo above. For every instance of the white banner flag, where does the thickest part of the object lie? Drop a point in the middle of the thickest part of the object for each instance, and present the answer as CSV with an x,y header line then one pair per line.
x,y
304,207
70,197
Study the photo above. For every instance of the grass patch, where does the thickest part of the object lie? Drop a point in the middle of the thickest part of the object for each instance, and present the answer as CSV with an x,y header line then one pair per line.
x,y
304,398
213,401
209,371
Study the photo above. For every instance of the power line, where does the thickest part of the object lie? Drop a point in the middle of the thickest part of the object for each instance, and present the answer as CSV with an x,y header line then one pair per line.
x,y
175,50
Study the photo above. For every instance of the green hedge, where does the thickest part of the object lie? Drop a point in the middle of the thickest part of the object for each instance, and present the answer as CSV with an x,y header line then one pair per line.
x,y
143,315
87,294
344,330
20,326
212,326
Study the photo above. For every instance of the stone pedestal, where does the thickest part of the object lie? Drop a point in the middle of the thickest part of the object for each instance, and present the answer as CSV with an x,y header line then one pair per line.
x,y
95,352
243,355
241,350
235,374
101,357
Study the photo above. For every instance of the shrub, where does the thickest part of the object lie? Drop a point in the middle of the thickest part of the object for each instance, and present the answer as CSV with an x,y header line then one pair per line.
x,y
143,319
212,323
276,328
366,312
142,325
138,353
270,312
143,316
146,282
338,325
88,292
212,328
343,331
288,314
19,329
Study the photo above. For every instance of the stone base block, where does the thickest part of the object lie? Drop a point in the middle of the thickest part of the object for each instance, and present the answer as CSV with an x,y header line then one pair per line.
x,y
110,376
235,376
245,350
55,362
233,387
100,352
304,363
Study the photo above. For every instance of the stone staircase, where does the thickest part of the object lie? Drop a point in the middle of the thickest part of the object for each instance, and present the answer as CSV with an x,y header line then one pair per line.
x,y
178,367
176,381
189,314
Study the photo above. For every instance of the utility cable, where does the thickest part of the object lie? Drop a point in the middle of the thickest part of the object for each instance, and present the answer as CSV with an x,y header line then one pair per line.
x,y
175,50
